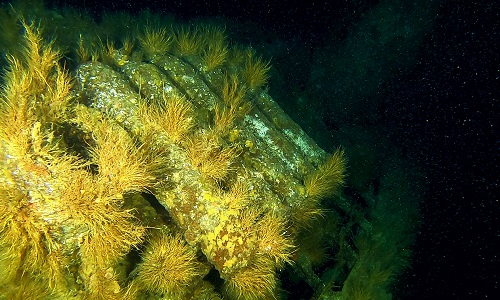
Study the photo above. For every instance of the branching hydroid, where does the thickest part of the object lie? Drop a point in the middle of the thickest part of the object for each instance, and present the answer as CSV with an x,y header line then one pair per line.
x,y
328,178
174,117
257,281
189,41
255,71
169,265
216,51
233,106
209,156
274,240
155,41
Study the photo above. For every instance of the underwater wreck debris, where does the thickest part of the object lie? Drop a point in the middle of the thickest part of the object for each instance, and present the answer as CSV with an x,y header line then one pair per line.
x,y
74,203
230,179
54,206
193,201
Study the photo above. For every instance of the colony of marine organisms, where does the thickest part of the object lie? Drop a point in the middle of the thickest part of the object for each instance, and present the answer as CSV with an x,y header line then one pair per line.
x,y
160,168
189,125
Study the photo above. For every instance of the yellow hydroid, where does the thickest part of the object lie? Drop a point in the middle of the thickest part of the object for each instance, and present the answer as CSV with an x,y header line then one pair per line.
x,y
234,105
214,56
155,41
257,281
216,52
36,91
82,52
189,41
325,181
178,117
237,197
274,240
49,195
121,164
209,156
34,84
169,265
173,117
255,71
322,183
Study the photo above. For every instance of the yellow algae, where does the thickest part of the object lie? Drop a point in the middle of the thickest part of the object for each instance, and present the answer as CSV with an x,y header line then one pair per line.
x,y
230,263
169,265
224,218
234,135
210,197
212,211
249,144
230,247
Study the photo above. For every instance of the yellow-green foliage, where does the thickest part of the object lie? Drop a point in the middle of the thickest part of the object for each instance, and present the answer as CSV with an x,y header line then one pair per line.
x,y
66,170
216,52
121,165
233,93
274,241
168,266
326,181
28,245
255,71
210,157
35,75
30,74
82,52
257,281
173,117
189,41
46,192
234,105
27,288
237,197
155,41
321,183
205,291
127,45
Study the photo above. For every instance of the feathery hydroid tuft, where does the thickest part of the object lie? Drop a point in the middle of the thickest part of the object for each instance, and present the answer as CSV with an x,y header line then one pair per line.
x,y
325,181
274,240
255,70
169,265
209,156
254,282
189,41
155,42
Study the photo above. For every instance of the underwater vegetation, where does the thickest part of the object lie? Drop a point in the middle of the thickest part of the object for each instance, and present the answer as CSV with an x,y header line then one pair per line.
x,y
156,166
